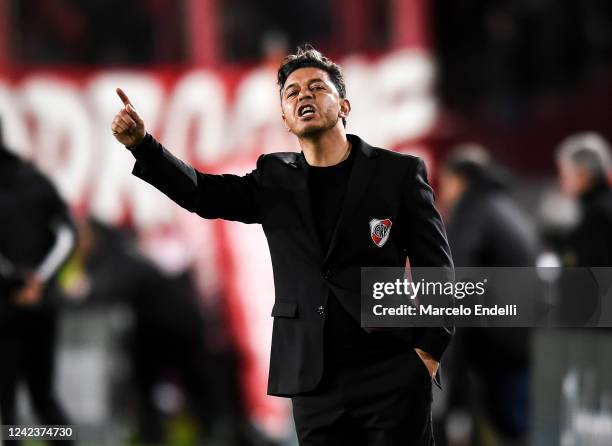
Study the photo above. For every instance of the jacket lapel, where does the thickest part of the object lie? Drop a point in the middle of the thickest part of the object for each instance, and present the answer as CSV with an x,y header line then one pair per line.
x,y
359,180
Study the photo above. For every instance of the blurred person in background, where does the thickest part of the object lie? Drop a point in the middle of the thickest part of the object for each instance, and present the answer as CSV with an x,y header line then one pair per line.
x,y
323,222
37,235
486,228
584,164
166,345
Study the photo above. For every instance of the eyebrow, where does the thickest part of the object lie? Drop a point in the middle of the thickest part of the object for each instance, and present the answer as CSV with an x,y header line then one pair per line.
x,y
316,79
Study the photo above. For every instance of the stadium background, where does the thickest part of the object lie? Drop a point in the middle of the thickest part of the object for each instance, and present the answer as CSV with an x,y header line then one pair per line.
x,y
515,76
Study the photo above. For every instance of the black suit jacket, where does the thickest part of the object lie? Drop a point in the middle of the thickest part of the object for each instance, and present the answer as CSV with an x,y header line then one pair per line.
x,y
382,184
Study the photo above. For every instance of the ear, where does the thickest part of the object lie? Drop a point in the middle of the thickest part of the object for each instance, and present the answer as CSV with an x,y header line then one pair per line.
x,y
284,118
345,108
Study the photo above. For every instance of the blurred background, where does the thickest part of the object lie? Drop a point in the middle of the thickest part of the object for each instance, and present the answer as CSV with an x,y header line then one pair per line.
x,y
159,322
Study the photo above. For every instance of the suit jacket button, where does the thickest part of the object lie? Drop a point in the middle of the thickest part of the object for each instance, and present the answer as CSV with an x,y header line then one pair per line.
x,y
321,310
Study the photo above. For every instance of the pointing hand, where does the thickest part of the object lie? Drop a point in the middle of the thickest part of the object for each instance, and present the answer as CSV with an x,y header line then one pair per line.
x,y
128,127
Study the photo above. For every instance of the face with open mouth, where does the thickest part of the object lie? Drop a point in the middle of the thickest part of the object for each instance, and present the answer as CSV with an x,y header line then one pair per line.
x,y
310,102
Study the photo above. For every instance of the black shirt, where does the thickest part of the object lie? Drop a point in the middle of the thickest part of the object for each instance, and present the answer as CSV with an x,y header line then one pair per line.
x,y
327,189
345,341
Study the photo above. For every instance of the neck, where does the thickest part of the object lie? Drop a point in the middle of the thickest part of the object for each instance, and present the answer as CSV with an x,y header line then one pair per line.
x,y
325,149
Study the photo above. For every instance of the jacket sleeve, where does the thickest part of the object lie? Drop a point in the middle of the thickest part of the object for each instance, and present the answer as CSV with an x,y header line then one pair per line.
x,y
230,197
65,234
427,246
60,223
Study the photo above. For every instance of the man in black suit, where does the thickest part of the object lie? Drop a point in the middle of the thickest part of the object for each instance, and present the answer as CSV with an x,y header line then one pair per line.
x,y
334,207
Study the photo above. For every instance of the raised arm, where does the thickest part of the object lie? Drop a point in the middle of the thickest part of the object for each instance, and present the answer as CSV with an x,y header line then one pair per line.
x,y
230,197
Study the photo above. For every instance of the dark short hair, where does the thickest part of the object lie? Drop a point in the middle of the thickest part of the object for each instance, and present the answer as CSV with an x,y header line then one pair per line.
x,y
307,56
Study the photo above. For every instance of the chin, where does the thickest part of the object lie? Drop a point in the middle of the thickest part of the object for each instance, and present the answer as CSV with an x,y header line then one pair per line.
x,y
310,129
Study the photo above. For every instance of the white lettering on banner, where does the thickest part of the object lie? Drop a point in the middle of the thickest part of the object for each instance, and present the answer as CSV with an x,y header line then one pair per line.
x,y
392,100
257,111
198,100
70,138
61,140
113,186
406,107
256,119
13,125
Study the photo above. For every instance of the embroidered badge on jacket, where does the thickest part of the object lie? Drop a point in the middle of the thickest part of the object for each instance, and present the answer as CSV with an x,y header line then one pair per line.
x,y
379,231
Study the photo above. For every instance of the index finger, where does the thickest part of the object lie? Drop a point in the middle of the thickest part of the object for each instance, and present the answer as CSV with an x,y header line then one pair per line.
x,y
123,97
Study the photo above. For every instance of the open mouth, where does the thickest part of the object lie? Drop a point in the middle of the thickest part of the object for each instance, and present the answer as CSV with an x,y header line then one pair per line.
x,y
306,110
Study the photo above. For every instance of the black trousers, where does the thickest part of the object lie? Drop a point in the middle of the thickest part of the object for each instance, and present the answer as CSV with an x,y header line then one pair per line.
x,y
385,402
27,353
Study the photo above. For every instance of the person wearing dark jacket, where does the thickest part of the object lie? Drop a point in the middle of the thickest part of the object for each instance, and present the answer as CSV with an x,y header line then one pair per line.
x,y
486,228
337,206
584,165
584,168
37,236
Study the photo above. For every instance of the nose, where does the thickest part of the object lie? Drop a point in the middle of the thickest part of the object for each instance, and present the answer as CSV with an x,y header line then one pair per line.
x,y
305,93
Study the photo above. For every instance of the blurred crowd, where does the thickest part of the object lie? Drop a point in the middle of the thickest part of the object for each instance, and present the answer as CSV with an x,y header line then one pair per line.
x,y
114,32
153,31
489,397
505,52
501,50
